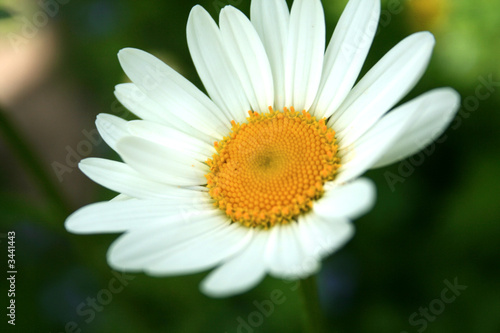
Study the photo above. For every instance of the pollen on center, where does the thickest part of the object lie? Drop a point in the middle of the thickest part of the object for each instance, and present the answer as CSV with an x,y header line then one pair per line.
x,y
272,168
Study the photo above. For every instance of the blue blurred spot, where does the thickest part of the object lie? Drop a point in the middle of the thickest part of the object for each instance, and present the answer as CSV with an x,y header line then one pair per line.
x,y
61,297
102,17
337,283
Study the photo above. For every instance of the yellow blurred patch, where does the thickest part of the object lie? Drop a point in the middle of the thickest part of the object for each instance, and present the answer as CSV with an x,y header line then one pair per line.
x,y
428,14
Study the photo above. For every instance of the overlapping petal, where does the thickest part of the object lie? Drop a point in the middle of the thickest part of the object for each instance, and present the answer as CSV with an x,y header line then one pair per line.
x,y
172,139
304,53
134,214
320,236
350,201
248,57
241,272
121,178
367,150
435,110
346,54
285,256
271,20
111,128
214,65
161,163
382,87
143,247
202,252
168,88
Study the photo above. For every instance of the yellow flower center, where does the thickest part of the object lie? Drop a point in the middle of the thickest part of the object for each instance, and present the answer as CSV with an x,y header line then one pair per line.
x,y
271,168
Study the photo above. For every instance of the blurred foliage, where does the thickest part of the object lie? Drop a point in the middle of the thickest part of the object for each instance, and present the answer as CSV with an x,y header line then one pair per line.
x,y
440,223
4,14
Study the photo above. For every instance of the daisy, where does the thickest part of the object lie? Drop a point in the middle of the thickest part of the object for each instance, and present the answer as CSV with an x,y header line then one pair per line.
x,y
262,175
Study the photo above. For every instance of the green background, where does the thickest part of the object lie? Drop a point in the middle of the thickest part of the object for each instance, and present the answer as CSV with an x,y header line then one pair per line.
x,y
436,218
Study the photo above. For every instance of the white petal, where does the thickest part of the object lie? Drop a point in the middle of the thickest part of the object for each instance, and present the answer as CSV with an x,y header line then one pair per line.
x,y
321,236
248,57
214,65
121,197
160,163
172,138
141,105
142,247
123,215
382,87
350,200
169,89
285,257
111,128
346,54
305,52
145,108
201,252
240,273
434,111
271,19
121,178
367,150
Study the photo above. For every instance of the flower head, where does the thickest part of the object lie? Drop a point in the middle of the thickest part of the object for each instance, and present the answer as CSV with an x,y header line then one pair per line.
x,y
262,176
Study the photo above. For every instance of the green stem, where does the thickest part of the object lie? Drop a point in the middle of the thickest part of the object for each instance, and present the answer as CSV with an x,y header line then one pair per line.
x,y
314,321
32,164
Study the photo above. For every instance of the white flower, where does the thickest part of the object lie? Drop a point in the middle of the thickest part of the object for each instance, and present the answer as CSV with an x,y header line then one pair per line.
x,y
283,185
